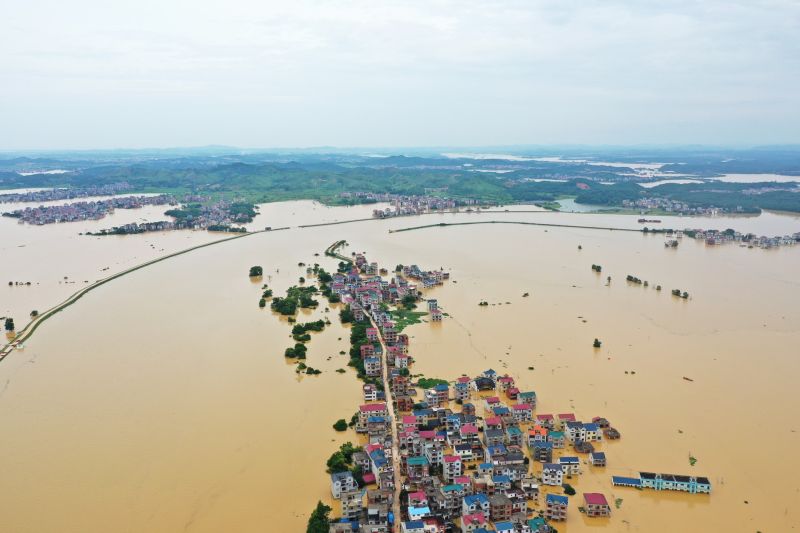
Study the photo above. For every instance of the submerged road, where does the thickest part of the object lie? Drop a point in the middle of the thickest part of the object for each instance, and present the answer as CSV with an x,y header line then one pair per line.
x,y
37,321
546,224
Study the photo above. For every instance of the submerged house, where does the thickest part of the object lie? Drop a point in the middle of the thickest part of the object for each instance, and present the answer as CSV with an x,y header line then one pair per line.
x,y
597,459
342,482
649,480
556,507
552,474
483,383
690,484
571,465
596,504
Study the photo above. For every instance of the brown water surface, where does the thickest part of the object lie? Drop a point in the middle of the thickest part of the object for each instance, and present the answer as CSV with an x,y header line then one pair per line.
x,y
162,401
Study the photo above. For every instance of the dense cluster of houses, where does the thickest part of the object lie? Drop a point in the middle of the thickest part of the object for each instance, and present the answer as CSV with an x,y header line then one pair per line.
x,y
428,279
93,210
673,206
403,205
476,473
216,216
474,455
50,195
715,237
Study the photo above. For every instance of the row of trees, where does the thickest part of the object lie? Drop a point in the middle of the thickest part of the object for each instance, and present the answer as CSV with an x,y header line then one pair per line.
x,y
300,331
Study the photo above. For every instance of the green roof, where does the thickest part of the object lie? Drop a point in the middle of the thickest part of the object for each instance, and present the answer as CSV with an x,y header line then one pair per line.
x,y
417,461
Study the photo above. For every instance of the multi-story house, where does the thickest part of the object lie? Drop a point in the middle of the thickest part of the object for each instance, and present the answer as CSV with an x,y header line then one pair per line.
x,y
596,504
453,467
556,507
342,482
476,503
499,507
570,465
552,474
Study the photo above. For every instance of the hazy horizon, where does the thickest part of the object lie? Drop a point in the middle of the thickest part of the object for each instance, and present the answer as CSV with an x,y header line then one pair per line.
x,y
424,75
411,151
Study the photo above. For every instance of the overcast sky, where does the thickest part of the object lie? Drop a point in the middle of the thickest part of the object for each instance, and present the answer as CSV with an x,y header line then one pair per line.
x,y
296,73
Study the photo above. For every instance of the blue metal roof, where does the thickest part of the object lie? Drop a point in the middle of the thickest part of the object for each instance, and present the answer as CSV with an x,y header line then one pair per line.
x,y
556,498
626,481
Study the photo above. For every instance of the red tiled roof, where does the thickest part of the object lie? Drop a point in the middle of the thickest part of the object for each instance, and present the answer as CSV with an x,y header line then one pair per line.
x,y
372,407
594,498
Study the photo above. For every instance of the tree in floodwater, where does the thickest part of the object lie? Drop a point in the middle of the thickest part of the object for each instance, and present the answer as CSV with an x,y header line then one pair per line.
x,y
10,324
256,271
319,522
409,301
597,343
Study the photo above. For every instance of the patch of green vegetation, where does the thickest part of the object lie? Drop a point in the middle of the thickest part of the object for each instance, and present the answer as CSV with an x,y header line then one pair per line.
x,y
298,351
551,206
319,521
295,297
403,318
342,459
427,383
300,331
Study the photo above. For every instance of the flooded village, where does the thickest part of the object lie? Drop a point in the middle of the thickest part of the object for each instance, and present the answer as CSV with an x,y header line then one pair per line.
x,y
235,352
471,454
86,210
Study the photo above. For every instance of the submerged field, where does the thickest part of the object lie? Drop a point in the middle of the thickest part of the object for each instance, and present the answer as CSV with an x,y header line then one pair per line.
x,y
162,401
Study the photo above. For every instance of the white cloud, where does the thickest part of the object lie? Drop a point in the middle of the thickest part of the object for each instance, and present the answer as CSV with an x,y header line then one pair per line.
x,y
90,73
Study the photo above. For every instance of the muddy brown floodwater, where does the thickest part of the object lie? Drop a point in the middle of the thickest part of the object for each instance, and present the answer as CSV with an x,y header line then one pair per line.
x,y
162,401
